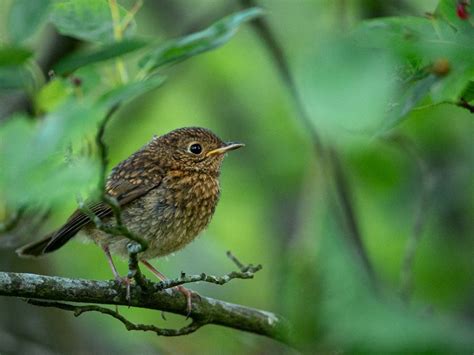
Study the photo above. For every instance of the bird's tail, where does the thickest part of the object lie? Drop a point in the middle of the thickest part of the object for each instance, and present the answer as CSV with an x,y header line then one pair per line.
x,y
35,249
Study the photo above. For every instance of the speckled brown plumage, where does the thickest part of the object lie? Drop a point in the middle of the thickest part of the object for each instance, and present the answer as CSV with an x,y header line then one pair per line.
x,y
168,192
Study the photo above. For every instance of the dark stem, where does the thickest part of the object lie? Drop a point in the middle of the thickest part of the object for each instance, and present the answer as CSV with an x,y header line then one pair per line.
x,y
138,244
134,271
421,210
327,157
348,215
464,104
102,147
12,222
78,310
246,272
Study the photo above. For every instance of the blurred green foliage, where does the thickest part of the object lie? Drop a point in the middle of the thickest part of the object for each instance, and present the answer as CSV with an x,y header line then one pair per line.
x,y
364,82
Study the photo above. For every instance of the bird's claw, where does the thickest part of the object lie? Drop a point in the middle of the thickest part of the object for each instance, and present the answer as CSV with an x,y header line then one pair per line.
x,y
127,281
188,294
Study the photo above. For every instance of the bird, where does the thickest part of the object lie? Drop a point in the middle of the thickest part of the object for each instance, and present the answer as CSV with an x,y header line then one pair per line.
x,y
167,192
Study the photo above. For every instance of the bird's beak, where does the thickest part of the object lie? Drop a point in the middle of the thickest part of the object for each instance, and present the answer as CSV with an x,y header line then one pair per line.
x,y
222,150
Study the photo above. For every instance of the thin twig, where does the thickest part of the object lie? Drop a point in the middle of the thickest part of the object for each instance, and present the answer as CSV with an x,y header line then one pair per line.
x,y
263,29
246,272
78,310
348,215
128,18
133,269
421,209
12,222
464,104
118,36
235,260
102,147
119,228
328,157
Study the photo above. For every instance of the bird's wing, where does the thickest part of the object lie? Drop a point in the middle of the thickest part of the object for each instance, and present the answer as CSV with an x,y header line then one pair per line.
x,y
126,183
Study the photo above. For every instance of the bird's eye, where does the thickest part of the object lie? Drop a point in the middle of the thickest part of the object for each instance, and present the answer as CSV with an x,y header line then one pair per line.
x,y
195,148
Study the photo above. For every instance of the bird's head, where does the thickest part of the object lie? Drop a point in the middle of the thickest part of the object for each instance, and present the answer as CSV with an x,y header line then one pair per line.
x,y
194,149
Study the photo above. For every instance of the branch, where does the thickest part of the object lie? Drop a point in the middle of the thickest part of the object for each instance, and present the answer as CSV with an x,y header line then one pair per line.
x,y
137,244
204,311
464,104
421,209
246,272
328,157
78,310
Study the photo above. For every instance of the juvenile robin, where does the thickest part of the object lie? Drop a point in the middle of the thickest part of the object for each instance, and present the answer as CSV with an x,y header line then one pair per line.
x,y
167,191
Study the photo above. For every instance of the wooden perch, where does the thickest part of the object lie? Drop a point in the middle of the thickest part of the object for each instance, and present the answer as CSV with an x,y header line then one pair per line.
x,y
205,310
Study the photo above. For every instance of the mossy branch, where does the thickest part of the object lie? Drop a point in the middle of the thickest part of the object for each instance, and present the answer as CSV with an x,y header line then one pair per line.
x,y
205,310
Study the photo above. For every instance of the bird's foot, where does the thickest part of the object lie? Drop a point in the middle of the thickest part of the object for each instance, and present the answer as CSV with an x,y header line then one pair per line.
x,y
127,281
188,294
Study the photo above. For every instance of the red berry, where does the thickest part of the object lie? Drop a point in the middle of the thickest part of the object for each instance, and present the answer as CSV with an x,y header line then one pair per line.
x,y
461,10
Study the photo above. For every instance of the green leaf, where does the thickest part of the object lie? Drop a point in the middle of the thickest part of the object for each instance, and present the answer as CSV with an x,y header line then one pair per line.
x,y
468,93
33,155
409,37
14,55
16,77
25,17
409,96
106,52
425,42
16,71
446,10
89,20
212,37
52,95
451,87
131,91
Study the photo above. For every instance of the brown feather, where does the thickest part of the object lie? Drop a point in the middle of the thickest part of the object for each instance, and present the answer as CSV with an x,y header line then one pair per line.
x,y
126,183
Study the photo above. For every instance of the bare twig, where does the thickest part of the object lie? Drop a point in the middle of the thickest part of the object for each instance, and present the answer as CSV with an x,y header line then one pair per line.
x,y
129,16
348,215
327,157
118,36
102,147
119,229
133,269
421,209
235,261
464,104
78,310
246,272
12,222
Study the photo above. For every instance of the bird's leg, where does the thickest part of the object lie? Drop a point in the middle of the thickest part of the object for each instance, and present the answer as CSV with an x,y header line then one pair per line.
x,y
118,278
186,292
110,261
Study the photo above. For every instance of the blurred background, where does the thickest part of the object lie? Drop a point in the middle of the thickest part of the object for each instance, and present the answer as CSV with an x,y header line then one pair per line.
x,y
272,209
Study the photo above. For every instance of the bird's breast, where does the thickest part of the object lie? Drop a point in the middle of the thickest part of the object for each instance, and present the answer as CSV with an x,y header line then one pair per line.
x,y
182,206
